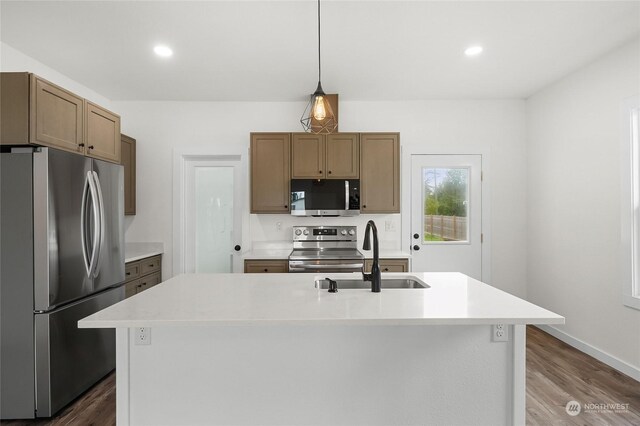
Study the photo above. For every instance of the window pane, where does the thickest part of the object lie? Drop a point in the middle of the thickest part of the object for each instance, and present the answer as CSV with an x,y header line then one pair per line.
x,y
446,204
214,218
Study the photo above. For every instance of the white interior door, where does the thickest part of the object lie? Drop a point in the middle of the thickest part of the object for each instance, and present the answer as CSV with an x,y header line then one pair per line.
x,y
446,214
212,220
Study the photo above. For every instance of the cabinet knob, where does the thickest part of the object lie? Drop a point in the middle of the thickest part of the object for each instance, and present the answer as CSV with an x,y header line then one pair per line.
x,y
151,266
90,146
266,270
416,247
237,247
364,207
80,145
386,269
286,206
329,171
128,273
319,171
416,236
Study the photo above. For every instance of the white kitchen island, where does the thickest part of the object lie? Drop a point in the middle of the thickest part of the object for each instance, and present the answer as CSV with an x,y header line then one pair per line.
x,y
248,349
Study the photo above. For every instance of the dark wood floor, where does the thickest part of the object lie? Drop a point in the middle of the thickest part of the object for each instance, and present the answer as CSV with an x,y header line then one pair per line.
x,y
96,407
556,374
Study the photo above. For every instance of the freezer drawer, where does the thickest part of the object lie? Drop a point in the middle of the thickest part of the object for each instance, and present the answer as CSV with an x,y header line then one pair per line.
x,y
69,360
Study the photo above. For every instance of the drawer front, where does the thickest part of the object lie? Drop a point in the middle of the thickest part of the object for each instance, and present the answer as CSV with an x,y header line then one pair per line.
x,y
149,265
148,281
131,271
131,288
389,265
266,266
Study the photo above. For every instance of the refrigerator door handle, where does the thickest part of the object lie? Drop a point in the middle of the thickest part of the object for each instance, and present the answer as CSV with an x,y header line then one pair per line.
x,y
101,226
83,225
96,220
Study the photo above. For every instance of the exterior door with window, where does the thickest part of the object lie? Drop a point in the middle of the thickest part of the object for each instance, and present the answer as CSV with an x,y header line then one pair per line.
x,y
446,214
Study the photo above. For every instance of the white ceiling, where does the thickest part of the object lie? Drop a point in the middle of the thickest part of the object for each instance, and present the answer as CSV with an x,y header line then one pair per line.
x,y
266,50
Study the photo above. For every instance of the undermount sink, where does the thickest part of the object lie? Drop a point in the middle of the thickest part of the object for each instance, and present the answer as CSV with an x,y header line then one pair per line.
x,y
387,283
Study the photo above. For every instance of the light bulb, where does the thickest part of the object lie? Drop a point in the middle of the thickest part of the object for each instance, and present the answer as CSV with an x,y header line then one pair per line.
x,y
319,109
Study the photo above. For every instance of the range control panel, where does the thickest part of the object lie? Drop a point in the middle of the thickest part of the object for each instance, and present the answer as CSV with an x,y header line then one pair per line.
x,y
325,233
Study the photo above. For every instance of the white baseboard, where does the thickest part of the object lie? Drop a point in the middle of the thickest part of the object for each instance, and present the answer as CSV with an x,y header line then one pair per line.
x,y
600,355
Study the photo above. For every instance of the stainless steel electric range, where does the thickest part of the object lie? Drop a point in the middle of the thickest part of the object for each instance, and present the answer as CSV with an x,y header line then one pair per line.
x,y
325,249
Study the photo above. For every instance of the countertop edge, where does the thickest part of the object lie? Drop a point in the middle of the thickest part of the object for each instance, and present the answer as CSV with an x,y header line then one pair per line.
x,y
320,322
142,256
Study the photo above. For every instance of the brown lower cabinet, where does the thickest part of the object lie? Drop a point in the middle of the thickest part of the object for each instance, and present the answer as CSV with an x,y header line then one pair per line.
x,y
142,274
266,266
389,265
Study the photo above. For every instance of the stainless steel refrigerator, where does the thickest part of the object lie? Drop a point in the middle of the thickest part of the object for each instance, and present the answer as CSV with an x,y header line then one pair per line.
x,y
61,259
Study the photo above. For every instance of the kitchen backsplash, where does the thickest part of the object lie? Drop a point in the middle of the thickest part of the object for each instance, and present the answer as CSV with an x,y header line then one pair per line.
x,y
275,230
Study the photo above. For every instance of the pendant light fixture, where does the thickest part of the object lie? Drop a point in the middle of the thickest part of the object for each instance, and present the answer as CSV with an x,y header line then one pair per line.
x,y
318,116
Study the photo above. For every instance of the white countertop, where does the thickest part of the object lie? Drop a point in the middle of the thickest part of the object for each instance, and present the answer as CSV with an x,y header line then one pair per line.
x,y
292,299
137,251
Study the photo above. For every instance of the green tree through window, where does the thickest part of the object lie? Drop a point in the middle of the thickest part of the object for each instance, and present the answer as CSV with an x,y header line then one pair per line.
x,y
446,192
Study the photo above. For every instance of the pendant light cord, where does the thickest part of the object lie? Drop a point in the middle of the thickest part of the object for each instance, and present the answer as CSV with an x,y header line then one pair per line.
x,y
319,67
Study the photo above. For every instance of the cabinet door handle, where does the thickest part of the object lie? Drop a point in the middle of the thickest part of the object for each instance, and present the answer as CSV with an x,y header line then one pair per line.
x,y
128,273
80,145
90,146
151,265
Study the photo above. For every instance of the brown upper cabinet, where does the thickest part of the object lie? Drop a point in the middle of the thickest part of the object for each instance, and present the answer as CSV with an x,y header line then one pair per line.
x,y
333,156
34,111
307,156
128,160
270,172
343,156
380,173
102,133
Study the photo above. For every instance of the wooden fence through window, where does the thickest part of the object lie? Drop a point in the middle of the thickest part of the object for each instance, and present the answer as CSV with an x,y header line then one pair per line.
x,y
449,228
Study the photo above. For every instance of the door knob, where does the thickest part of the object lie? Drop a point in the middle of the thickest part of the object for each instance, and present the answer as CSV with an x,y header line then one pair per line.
x,y
237,247
416,247
416,236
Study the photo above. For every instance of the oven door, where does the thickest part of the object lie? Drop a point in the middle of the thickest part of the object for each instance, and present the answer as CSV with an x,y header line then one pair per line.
x,y
326,266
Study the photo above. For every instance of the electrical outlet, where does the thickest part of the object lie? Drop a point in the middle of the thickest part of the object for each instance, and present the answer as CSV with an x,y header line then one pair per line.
x,y
499,333
143,336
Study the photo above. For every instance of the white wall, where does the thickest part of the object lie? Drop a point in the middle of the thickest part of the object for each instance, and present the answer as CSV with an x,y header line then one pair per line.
x,y
162,127
12,60
574,203
498,126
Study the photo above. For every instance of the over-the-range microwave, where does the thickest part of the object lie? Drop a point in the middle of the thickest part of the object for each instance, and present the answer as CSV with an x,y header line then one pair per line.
x,y
325,197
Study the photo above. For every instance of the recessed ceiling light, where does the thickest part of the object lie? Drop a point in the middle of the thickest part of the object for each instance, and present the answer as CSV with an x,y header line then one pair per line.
x,y
473,51
163,51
